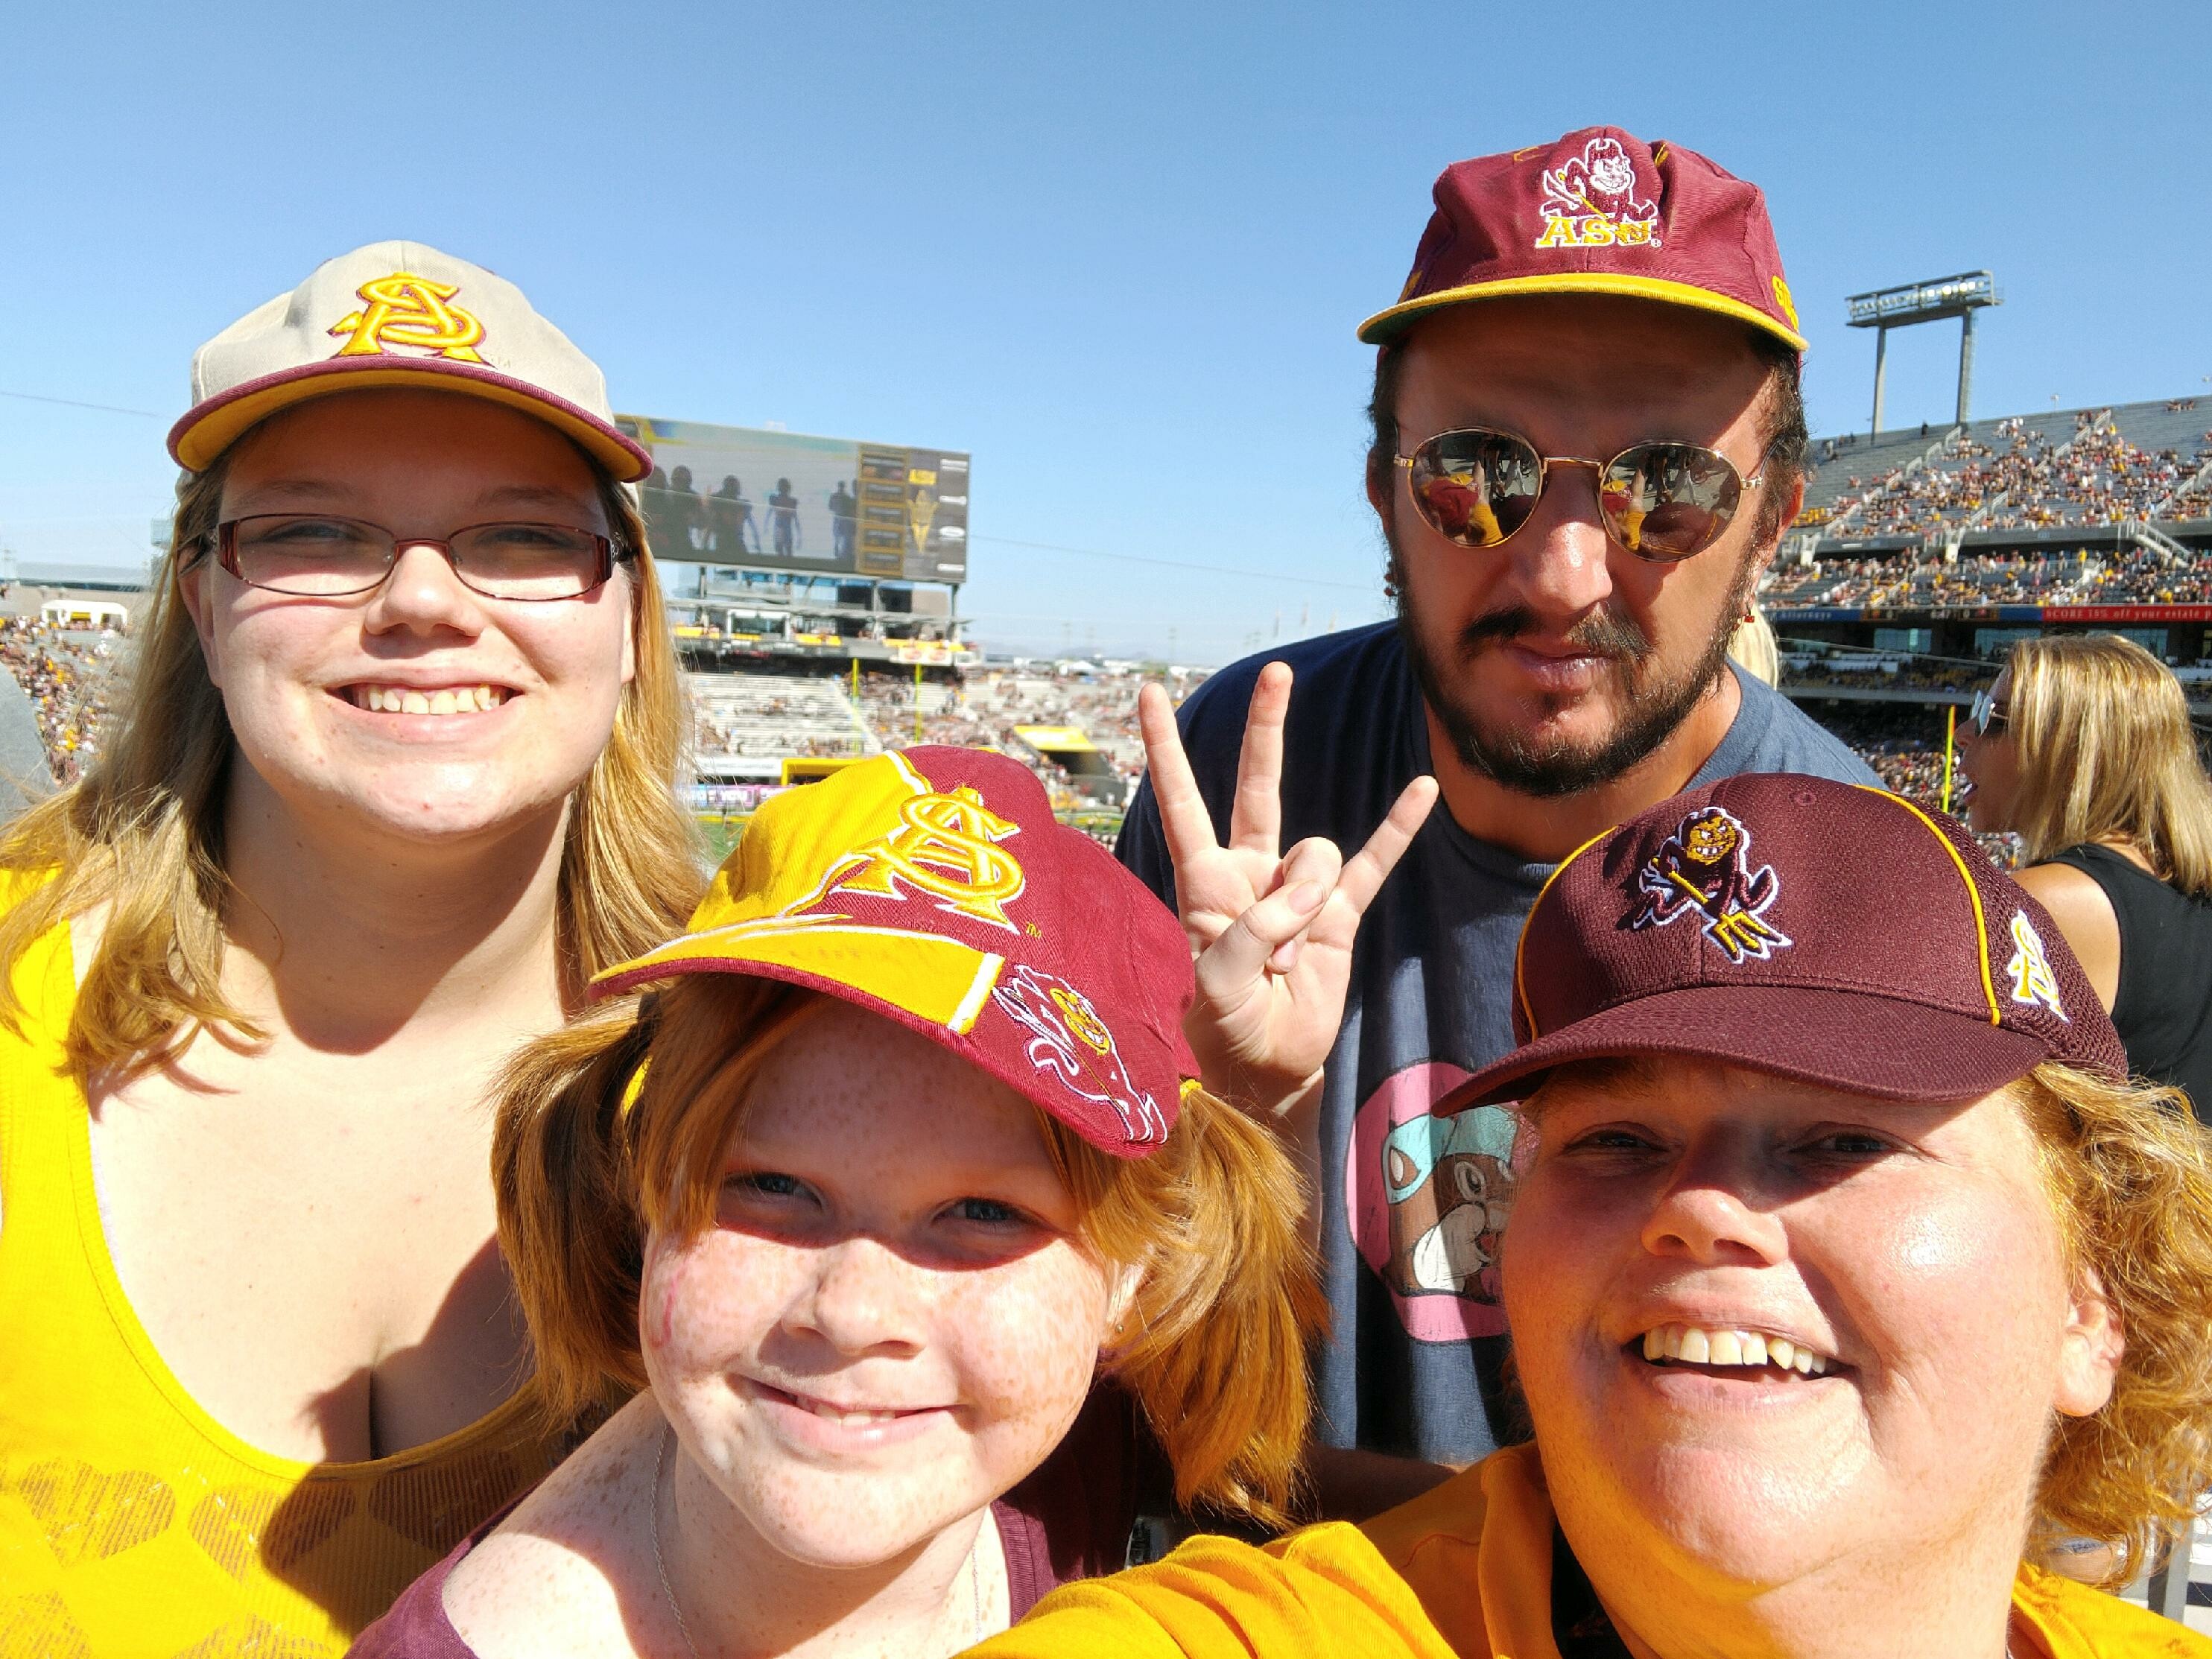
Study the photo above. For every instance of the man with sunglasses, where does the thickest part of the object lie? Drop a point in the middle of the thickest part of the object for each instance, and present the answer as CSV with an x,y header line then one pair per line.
x,y
1588,440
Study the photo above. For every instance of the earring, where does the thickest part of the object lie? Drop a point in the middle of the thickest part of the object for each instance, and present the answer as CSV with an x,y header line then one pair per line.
x,y
1391,580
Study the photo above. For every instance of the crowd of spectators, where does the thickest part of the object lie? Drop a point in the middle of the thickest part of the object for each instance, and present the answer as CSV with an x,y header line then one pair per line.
x,y
2026,480
1903,744
1899,673
990,709
2100,478
760,716
767,716
1918,580
65,675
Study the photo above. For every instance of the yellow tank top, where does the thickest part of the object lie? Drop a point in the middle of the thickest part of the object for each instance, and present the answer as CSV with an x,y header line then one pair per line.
x,y
131,1523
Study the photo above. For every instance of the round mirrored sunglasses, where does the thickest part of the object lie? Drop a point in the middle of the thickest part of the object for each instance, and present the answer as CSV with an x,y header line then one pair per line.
x,y
1661,501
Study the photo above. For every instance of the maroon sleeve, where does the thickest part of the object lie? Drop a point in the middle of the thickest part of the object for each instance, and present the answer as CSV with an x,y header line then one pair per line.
x,y
415,1626
1072,1517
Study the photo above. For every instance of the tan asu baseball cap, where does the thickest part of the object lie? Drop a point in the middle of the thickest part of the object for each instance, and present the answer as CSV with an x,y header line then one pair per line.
x,y
399,314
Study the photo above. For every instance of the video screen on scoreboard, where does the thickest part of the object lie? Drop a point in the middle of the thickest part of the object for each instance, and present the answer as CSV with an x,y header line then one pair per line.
x,y
785,500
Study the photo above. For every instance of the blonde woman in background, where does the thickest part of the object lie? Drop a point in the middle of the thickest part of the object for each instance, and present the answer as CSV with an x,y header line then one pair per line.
x,y
1754,647
393,780
2084,749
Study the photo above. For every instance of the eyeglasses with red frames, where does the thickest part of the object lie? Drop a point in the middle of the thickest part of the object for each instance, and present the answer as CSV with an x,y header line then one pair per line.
x,y
1661,501
319,555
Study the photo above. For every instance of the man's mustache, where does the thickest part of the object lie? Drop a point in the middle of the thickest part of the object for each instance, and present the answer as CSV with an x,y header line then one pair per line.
x,y
1600,634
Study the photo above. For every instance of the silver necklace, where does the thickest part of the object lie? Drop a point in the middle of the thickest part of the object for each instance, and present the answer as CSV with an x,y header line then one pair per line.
x,y
659,1462
676,1608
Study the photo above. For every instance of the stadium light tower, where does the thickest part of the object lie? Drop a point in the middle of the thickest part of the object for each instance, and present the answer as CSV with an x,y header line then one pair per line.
x,y
1958,296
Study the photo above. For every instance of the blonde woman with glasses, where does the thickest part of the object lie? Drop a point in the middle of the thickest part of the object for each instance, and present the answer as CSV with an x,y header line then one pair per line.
x,y
392,783
2084,749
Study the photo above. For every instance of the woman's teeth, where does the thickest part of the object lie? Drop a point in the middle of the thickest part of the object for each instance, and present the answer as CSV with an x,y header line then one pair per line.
x,y
824,1409
447,699
1694,1346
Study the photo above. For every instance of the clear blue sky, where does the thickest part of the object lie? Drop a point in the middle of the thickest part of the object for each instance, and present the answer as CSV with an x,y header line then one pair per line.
x,y
1117,252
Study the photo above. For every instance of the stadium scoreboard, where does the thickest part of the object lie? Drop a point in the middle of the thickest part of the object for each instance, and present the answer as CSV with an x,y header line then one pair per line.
x,y
762,499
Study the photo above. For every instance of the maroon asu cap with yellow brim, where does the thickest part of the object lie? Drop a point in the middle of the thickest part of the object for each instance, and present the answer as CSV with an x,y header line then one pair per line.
x,y
1598,211
934,887
1825,932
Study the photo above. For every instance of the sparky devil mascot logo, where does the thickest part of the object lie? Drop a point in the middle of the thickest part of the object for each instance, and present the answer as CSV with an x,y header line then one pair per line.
x,y
1068,1040
1704,868
1591,200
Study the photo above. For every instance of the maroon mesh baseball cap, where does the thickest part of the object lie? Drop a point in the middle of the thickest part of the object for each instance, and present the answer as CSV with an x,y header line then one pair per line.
x,y
1826,932
1599,211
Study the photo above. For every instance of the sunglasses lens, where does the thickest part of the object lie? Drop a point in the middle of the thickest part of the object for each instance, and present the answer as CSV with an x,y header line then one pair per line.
x,y
1666,502
1476,488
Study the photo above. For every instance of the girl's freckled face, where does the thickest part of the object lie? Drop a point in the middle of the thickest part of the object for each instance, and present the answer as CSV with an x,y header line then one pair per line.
x,y
893,1320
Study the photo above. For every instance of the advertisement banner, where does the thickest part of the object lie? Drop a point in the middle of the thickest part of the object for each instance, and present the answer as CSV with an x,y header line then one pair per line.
x,y
2126,613
2145,613
760,500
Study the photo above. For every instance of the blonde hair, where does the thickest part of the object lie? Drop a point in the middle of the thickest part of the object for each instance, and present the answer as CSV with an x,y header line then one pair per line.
x,y
2106,752
1754,647
142,832
1226,1300
2129,1172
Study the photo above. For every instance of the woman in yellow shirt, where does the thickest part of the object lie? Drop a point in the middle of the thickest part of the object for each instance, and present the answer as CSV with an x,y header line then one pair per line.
x,y
1849,1278
392,781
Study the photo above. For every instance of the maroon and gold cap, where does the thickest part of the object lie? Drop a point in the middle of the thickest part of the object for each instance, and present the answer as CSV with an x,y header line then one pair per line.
x,y
934,887
1826,932
1600,211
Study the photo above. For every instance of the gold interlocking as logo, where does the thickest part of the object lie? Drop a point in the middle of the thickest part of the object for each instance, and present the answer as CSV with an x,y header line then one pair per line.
x,y
403,309
947,847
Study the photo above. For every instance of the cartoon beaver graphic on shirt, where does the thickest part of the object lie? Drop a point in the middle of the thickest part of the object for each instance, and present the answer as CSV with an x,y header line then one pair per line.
x,y
1447,1181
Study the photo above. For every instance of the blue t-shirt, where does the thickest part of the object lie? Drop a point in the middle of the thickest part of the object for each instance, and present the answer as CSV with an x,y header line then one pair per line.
x,y
1411,1205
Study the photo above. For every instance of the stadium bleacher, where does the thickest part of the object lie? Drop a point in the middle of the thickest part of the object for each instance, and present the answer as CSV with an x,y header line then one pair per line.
x,y
1848,466
747,724
68,675
1981,516
2085,467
